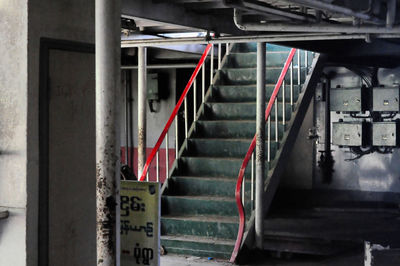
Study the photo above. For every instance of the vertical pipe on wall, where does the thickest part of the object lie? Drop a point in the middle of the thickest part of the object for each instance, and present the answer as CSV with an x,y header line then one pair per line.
x,y
108,97
260,145
126,83
142,91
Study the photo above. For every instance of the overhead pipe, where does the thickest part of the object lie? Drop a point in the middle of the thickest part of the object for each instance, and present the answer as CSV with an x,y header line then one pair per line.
x,y
108,82
321,28
321,5
259,8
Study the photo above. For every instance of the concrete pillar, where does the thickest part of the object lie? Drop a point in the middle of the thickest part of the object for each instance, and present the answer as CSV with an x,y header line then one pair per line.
x,y
260,144
108,84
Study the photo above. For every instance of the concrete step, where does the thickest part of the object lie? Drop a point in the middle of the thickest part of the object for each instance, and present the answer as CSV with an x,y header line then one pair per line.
x,y
203,226
209,166
241,111
201,205
248,76
248,93
198,246
206,186
273,59
232,129
215,147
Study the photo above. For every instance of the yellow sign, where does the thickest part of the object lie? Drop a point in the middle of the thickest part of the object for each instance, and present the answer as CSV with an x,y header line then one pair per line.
x,y
140,223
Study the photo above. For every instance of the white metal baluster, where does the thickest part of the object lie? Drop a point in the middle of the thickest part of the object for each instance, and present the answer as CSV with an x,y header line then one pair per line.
x,y
291,83
298,67
306,62
212,65
227,48
203,82
252,180
269,139
157,167
276,120
283,102
194,100
166,157
186,118
147,175
176,138
219,56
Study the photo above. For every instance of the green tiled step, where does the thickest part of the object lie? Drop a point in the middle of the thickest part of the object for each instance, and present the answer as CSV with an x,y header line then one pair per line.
x,y
232,129
252,47
198,246
248,76
273,59
244,111
207,166
247,93
206,186
206,226
201,205
223,147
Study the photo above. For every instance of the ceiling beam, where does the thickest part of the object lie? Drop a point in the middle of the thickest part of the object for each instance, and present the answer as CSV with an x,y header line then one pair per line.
x,y
176,14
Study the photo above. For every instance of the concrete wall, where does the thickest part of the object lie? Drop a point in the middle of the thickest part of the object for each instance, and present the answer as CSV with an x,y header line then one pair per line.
x,y
63,19
13,129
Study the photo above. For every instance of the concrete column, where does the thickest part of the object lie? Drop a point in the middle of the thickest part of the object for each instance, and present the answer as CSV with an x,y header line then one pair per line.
x,y
108,47
142,91
260,145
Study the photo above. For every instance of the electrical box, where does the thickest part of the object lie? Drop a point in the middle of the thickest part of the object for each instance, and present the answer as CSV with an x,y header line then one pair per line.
x,y
152,87
346,99
348,133
384,134
385,99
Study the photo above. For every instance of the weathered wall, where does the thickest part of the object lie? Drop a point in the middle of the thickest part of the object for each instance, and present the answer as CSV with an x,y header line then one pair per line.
x,y
66,20
13,129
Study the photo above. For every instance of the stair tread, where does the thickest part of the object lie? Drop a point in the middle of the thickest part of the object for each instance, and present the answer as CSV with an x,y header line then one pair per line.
x,y
207,197
208,178
191,238
246,68
203,218
225,139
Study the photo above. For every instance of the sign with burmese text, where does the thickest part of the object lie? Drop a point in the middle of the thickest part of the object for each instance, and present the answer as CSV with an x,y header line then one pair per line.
x,y
140,223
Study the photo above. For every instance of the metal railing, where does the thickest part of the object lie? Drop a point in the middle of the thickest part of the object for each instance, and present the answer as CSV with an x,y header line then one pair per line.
x,y
184,100
272,107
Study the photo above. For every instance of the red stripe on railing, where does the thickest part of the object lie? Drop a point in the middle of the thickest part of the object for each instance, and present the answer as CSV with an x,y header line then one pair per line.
x,y
174,112
248,156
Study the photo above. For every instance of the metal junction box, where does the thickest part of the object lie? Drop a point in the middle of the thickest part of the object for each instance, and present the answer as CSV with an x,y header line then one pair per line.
x,y
384,134
348,133
346,99
385,99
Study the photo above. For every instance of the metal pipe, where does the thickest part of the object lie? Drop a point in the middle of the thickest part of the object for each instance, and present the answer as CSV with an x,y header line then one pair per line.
x,y
203,82
298,68
260,145
291,83
269,140
126,117
176,138
162,66
166,157
108,100
306,63
194,100
186,118
142,91
158,167
276,121
283,104
212,66
321,5
252,181
302,35
219,56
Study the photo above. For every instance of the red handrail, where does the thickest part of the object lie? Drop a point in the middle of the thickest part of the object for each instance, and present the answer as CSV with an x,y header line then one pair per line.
x,y
174,112
248,155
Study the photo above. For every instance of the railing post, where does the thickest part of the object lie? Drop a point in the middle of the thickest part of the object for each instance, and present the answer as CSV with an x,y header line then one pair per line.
x,y
260,144
142,90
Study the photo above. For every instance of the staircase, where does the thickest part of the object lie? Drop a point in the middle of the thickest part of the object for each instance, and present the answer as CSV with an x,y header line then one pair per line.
x,y
199,213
